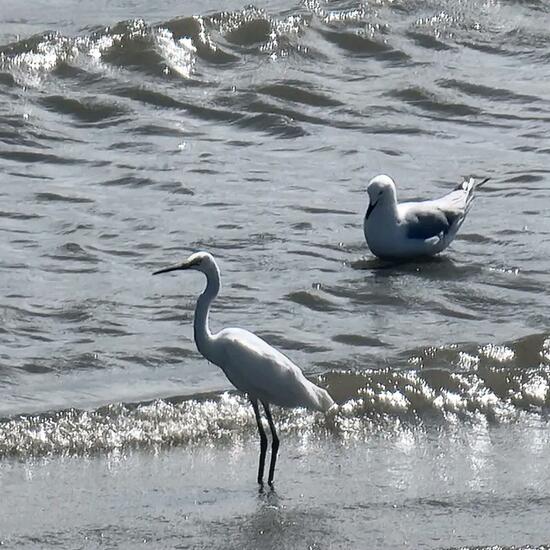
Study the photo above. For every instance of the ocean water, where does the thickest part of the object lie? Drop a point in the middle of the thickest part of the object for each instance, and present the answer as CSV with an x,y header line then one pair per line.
x,y
133,133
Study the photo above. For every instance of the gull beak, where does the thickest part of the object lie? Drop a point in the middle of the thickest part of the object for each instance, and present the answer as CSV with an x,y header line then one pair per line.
x,y
182,265
370,209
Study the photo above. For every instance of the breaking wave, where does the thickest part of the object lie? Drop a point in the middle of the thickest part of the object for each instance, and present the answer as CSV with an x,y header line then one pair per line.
x,y
368,401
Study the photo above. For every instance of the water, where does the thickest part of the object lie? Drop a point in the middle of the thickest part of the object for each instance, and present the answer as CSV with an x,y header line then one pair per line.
x,y
132,133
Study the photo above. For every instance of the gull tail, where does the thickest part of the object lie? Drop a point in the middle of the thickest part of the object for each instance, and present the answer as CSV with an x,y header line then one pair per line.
x,y
468,186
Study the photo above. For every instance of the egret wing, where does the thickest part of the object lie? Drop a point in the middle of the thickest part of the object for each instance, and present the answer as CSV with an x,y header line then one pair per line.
x,y
258,369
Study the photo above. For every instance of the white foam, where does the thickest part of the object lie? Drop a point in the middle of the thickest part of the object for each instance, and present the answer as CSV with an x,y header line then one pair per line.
x,y
179,55
536,390
498,353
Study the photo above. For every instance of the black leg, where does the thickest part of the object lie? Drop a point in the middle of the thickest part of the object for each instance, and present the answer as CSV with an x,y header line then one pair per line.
x,y
274,444
263,440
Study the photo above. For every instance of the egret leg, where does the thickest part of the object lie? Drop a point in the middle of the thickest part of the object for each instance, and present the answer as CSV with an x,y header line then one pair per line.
x,y
274,444
263,441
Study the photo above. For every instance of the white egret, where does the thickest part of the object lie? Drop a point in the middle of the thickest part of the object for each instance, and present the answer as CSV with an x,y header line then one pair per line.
x,y
410,229
251,364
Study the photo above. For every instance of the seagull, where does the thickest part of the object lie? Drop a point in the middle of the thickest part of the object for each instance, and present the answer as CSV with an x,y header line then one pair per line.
x,y
410,229
254,367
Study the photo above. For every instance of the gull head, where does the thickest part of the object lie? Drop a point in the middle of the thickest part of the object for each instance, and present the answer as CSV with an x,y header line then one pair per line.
x,y
381,190
199,261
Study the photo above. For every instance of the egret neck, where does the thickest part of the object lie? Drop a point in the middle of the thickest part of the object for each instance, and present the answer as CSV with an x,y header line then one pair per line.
x,y
203,336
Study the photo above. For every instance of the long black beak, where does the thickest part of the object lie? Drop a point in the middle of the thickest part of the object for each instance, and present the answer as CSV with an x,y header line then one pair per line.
x,y
370,209
183,265
483,182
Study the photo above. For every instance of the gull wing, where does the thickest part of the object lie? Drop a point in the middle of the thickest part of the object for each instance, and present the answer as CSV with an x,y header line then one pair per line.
x,y
428,219
436,218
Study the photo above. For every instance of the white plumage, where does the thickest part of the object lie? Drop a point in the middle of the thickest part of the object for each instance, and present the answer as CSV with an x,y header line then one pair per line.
x,y
250,363
264,373
410,229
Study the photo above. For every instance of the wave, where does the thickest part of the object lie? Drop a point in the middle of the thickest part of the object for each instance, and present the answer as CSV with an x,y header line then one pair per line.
x,y
368,401
195,64
171,47
129,44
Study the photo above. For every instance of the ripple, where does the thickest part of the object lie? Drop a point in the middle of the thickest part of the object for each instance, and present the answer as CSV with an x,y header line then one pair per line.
x,y
73,252
427,101
359,44
19,216
87,110
55,197
278,125
489,92
294,91
33,156
428,41
357,340
311,300
321,210
129,181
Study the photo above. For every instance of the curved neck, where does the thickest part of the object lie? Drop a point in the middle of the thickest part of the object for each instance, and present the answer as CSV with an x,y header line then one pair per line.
x,y
203,336
386,208
389,206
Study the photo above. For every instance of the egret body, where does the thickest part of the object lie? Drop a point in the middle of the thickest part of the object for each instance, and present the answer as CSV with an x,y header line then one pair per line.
x,y
251,364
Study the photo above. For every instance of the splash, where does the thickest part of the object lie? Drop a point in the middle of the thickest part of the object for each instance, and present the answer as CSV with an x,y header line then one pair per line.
x,y
369,401
179,55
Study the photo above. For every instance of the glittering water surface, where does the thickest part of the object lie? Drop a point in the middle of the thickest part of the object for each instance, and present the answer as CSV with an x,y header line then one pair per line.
x,y
132,133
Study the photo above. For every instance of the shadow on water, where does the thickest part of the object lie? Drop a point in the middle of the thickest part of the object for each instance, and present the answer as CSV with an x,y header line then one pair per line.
x,y
434,267
275,524
373,263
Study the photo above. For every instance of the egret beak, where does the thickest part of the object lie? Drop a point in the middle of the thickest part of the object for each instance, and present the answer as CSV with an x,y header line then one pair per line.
x,y
483,182
370,209
182,265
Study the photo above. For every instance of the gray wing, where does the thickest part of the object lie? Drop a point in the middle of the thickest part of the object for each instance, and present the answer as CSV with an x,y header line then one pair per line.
x,y
428,219
425,222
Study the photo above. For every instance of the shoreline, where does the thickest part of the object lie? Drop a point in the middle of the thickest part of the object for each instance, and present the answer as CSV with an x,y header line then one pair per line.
x,y
413,488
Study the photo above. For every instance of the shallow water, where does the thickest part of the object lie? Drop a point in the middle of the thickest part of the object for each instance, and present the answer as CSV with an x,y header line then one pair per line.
x,y
134,133
404,486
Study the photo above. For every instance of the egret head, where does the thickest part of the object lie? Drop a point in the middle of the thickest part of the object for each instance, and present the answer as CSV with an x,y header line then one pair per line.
x,y
199,261
381,190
